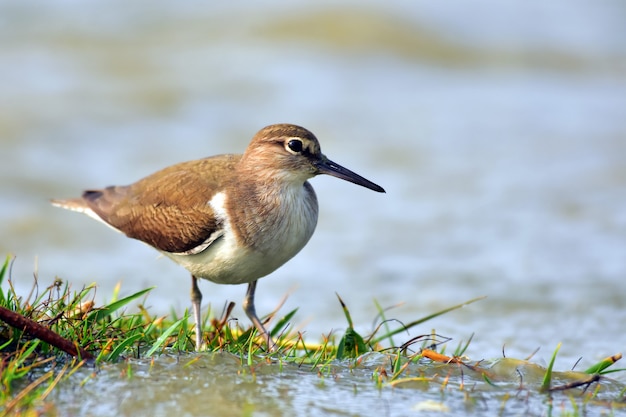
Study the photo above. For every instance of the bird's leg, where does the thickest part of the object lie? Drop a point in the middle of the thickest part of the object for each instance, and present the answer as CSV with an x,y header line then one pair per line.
x,y
196,301
248,307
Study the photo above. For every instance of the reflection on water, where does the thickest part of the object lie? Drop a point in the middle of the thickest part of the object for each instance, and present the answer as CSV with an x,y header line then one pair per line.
x,y
498,134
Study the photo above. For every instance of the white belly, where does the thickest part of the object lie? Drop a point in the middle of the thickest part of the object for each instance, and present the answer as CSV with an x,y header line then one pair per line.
x,y
226,261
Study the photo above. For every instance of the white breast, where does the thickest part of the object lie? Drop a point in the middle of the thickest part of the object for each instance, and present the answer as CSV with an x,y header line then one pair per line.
x,y
227,261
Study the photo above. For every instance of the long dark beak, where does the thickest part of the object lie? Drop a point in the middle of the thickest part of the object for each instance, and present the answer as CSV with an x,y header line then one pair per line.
x,y
326,166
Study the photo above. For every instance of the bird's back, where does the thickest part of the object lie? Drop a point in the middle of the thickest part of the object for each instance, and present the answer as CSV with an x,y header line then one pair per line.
x,y
168,209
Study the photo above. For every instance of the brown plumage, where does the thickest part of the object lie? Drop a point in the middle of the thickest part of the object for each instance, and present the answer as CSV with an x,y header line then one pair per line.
x,y
163,210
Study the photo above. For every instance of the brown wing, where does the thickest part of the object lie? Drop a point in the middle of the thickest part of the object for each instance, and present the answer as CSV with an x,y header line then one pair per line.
x,y
168,209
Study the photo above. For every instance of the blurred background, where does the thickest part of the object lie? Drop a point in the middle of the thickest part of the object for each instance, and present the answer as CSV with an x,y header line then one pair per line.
x,y
498,131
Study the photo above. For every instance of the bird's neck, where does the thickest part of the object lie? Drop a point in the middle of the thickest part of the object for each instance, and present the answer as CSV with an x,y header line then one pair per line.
x,y
273,209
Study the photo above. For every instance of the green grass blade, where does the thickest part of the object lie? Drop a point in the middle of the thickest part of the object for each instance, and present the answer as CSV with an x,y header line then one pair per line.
x,y
603,364
3,271
159,342
108,310
351,345
31,349
345,311
381,314
4,268
547,378
119,349
460,350
284,321
424,319
488,380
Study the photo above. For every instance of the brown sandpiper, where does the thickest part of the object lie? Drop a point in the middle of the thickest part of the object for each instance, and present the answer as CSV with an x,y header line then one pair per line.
x,y
231,219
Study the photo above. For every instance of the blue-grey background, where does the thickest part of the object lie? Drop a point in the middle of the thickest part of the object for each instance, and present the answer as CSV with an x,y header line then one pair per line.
x,y
497,129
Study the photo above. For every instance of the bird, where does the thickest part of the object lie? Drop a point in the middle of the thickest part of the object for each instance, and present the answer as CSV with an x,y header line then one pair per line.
x,y
229,219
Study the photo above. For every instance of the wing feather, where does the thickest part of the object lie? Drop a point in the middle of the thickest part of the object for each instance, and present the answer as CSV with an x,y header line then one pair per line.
x,y
168,209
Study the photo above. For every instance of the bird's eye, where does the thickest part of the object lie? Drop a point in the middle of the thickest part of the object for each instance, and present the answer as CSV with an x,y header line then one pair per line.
x,y
294,146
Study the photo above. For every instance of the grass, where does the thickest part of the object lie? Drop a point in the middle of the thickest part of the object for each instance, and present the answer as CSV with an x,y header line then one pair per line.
x,y
31,367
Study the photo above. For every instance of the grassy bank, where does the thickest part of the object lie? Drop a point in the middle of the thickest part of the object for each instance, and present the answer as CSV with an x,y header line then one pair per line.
x,y
56,330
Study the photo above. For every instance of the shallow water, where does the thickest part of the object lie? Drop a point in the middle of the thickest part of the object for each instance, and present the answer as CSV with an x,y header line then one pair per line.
x,y
498,134
220,385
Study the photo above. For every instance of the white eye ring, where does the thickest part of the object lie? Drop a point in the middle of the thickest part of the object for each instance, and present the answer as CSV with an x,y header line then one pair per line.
x,y
294,146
